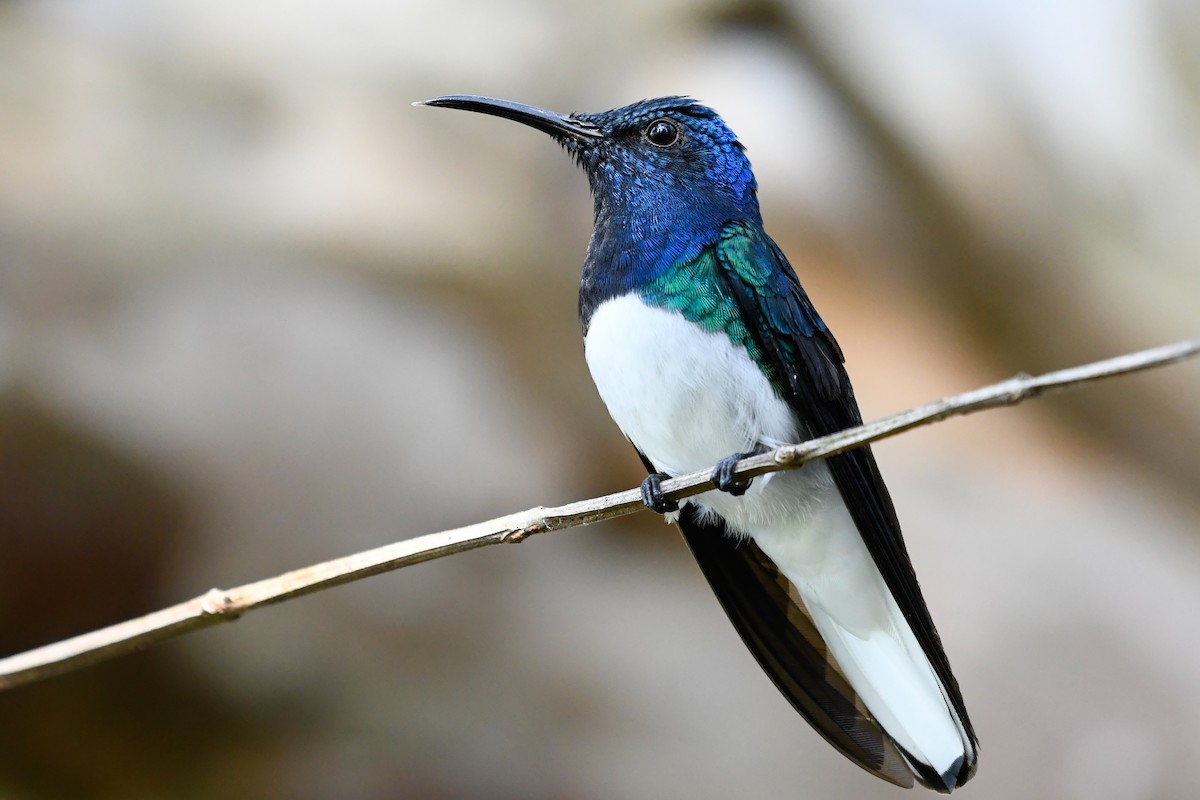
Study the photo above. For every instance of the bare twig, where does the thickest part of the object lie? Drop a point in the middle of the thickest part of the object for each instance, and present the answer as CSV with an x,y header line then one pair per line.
x,y
226,605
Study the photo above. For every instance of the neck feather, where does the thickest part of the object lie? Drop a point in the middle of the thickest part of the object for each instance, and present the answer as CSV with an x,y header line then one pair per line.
x,y
641,234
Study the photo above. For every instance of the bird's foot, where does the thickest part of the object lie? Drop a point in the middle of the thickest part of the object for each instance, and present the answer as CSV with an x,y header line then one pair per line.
x,y
652,494
722,474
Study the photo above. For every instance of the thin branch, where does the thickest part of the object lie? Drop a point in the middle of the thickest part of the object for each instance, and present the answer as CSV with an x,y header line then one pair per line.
x,y
224,605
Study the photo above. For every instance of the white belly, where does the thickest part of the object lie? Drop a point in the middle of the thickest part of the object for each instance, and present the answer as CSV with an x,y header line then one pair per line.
x,y
687,398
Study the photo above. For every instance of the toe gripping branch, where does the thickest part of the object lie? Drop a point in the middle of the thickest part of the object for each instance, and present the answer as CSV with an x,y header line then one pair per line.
x,y
652,494
722,478
722,474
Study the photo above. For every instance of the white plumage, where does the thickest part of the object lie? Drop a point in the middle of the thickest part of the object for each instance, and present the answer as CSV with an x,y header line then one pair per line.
x,y
688,398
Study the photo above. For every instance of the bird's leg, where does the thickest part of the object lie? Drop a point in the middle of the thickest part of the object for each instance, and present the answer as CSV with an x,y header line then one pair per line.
x,y
652,494
722,474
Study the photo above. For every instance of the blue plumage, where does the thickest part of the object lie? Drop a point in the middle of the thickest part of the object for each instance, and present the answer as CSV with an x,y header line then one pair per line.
x,y
648,219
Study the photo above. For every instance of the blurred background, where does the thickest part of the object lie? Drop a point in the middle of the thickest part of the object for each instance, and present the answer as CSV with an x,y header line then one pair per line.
x,y
257,311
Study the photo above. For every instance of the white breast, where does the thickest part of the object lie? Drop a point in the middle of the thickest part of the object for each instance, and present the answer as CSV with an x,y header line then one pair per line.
x,y
688,398
685,397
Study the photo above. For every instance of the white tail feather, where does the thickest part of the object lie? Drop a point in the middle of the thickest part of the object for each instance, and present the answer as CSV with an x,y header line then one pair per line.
x,y
824,556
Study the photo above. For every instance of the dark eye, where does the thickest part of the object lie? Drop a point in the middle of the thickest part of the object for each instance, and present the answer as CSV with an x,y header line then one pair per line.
x,y
662,133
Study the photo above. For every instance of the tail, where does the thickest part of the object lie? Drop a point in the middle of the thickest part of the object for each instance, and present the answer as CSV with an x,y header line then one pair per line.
x,y
814,610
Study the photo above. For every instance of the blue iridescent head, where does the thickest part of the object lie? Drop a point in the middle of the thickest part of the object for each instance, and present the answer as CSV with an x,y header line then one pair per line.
x,y
665,156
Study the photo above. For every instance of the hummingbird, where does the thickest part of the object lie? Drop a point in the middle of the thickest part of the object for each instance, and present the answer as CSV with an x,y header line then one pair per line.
x,y
705,349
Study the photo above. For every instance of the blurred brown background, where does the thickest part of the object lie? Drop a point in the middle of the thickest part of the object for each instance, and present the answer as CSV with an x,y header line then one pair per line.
x,y
257,311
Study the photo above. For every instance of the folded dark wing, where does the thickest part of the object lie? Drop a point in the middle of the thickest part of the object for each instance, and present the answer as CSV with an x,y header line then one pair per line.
x,y
770,616
804,362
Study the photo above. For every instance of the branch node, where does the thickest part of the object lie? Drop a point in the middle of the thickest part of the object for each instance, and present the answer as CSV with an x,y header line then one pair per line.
x,y
518,535
790,455
216,603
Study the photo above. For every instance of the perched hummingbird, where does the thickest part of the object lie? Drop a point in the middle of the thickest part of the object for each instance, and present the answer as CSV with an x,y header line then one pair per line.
x,y
705,349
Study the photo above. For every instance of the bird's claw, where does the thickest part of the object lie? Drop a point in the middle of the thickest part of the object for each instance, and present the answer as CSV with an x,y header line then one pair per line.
x,y
722,474
652,494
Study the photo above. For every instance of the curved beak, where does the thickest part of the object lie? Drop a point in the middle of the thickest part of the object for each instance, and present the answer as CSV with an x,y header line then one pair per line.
x,y
557,125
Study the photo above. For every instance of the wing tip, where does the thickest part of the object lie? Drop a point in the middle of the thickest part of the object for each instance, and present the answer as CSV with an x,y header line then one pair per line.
x,y
961,770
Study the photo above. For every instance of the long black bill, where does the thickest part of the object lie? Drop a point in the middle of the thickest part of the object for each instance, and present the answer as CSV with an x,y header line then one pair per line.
x,y
546,121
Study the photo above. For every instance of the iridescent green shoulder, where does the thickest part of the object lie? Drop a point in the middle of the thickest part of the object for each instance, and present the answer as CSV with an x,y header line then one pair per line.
x,y
742,285
697,289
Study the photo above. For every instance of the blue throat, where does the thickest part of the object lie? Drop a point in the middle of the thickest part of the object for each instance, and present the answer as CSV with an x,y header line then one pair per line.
x,y
639,238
